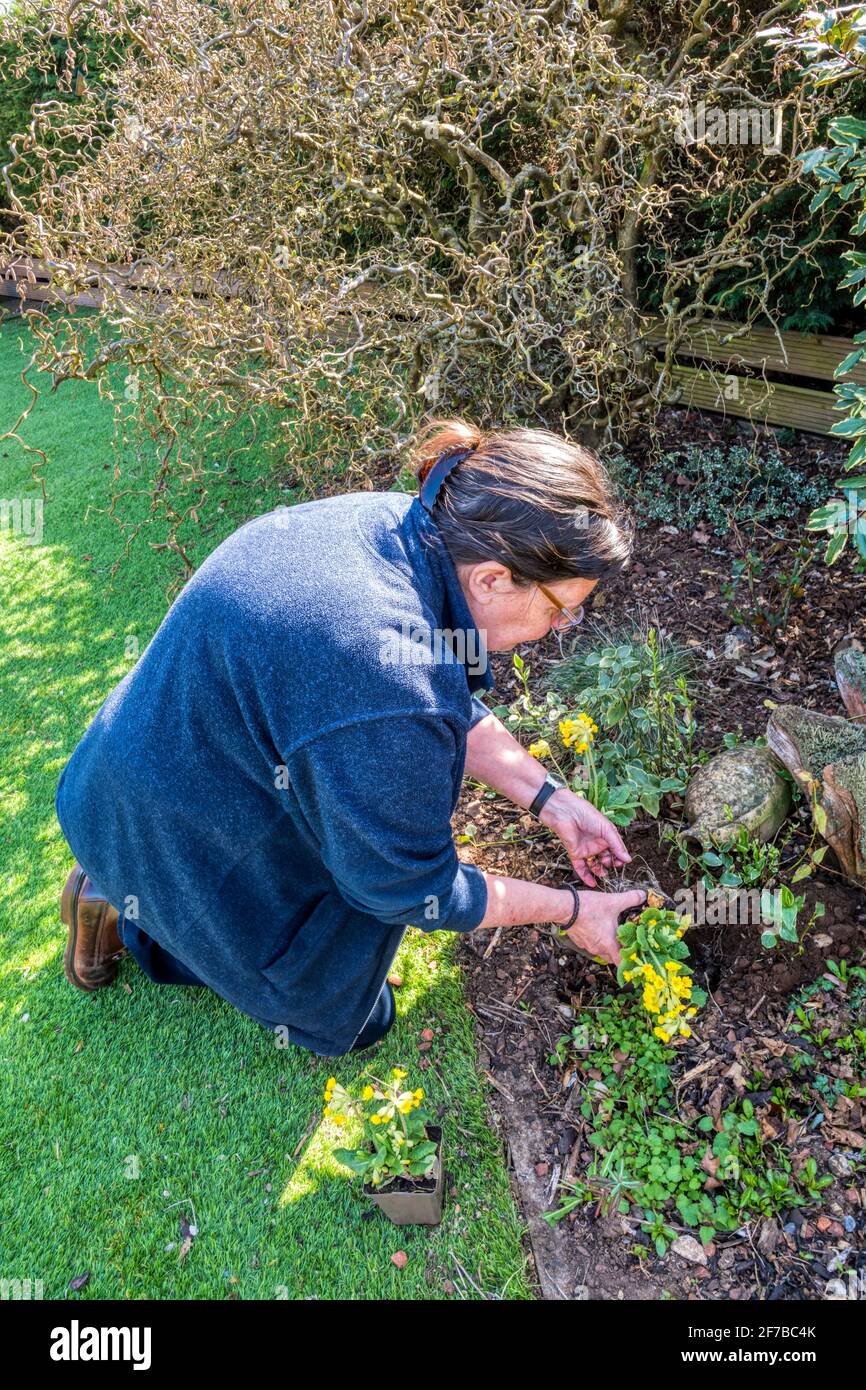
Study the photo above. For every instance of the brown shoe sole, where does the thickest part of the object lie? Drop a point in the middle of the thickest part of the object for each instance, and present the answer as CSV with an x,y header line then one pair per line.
x,y
69,900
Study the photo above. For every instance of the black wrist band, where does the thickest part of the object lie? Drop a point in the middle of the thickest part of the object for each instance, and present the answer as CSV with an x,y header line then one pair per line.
x,y
545,791
575,914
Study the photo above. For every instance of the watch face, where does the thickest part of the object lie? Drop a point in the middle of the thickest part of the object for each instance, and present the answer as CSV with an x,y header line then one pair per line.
x,y
557,781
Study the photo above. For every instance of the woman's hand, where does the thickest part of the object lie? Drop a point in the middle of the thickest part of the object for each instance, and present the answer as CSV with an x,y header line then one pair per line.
x,y
595,929
586,834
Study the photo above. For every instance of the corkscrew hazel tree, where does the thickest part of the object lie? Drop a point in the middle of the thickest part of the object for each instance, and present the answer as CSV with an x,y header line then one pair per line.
x,y
350,213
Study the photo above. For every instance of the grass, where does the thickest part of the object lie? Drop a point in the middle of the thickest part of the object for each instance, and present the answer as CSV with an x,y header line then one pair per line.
x,y
125,1110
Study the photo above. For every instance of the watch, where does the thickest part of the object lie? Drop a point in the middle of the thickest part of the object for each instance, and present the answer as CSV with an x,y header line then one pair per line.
x,y
551,784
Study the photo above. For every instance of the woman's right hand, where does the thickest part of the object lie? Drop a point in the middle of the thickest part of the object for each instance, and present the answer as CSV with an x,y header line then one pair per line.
x,y
595,929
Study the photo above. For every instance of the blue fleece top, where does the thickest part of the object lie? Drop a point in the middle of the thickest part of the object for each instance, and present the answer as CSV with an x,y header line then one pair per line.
x,y
268,792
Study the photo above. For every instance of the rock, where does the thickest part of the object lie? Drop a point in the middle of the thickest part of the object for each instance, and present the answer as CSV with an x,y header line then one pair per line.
x,y
542,1170
850,668
738,789
400,1259
849,1223
827,757
689,1249
738,644
840,1166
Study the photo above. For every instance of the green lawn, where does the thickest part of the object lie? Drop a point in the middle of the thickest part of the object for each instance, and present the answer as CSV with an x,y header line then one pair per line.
x,y
124,1110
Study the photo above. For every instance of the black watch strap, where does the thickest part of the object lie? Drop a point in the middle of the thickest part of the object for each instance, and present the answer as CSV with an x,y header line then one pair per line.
x,y
545,791
563,931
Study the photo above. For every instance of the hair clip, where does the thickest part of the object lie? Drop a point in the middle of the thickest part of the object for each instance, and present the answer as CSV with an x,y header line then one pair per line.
x,y
438,473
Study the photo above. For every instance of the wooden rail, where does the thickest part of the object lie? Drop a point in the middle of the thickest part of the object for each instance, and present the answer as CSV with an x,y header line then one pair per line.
x,y
733,354
732,379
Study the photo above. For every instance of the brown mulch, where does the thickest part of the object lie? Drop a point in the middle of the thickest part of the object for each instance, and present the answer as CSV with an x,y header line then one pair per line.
x,y
523,987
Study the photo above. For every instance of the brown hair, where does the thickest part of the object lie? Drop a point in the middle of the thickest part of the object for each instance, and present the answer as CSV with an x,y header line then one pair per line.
x,y
538,504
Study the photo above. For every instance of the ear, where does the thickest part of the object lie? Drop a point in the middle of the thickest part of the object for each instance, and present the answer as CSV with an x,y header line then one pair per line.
x,y
488,579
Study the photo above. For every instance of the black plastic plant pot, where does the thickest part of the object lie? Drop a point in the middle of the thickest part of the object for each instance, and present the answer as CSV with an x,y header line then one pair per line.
x,y
414,1201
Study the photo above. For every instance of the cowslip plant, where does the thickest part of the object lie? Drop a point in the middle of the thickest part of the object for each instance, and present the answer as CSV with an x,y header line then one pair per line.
x,y
395,1142
652,956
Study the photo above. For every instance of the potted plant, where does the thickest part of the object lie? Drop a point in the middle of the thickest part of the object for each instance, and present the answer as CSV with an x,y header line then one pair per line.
x,y
400,1154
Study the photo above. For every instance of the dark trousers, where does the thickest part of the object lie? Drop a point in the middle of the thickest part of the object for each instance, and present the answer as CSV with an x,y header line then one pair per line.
x,y
165,969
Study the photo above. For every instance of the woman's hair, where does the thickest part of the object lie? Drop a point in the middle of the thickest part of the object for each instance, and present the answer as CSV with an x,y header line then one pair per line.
x,y
527,498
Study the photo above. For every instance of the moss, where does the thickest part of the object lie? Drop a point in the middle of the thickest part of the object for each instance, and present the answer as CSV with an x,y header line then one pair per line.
x,y
820,738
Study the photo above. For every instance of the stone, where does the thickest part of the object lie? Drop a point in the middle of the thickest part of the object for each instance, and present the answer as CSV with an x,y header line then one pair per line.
x,y
826,756
689,1249
740,789
738,643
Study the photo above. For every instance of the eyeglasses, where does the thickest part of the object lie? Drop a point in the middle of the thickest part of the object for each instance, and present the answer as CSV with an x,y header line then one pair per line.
x,y
573,616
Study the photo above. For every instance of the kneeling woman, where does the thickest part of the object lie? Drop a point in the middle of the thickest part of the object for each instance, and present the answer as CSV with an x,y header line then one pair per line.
x,y
263,804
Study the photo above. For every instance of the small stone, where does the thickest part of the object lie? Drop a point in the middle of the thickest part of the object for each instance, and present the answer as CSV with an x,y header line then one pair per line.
x,y
395,980
840,1165
542,1170
427,1035
400,1259
849,1223
424,1047
689,1249
824,1223
738,644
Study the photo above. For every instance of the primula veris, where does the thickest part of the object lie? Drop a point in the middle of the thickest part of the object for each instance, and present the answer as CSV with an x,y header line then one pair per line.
x,y
652,954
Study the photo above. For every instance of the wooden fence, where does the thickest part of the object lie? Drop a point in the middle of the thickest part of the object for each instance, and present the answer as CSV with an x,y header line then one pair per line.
x,y
737,363
733,377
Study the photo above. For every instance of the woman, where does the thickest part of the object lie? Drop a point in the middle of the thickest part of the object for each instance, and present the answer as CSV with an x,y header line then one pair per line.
x,y
263,804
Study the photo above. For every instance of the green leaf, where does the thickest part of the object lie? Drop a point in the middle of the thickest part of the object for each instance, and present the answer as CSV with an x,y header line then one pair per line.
x,y
856,356
835,546
846,128
820,816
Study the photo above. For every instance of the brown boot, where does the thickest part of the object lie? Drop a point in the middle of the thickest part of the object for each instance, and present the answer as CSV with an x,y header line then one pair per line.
x,y
94,947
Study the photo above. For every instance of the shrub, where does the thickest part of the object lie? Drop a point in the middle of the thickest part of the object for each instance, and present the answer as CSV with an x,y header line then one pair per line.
x,y
354,214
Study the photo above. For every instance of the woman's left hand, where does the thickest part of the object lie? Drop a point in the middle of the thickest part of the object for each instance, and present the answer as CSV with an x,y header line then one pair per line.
x,y
586,834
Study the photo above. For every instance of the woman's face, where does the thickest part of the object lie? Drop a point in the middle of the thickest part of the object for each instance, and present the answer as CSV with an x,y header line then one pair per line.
x,y
507,615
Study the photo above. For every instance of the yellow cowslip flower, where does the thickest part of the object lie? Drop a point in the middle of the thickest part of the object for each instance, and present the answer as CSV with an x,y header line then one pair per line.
x,y
685,1030
331,1083
690,1013
339,1119
660,1033
398,1073
404,1107
419,1094
327,1110
375,1119
579,731
672,966
367,1093
539,749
